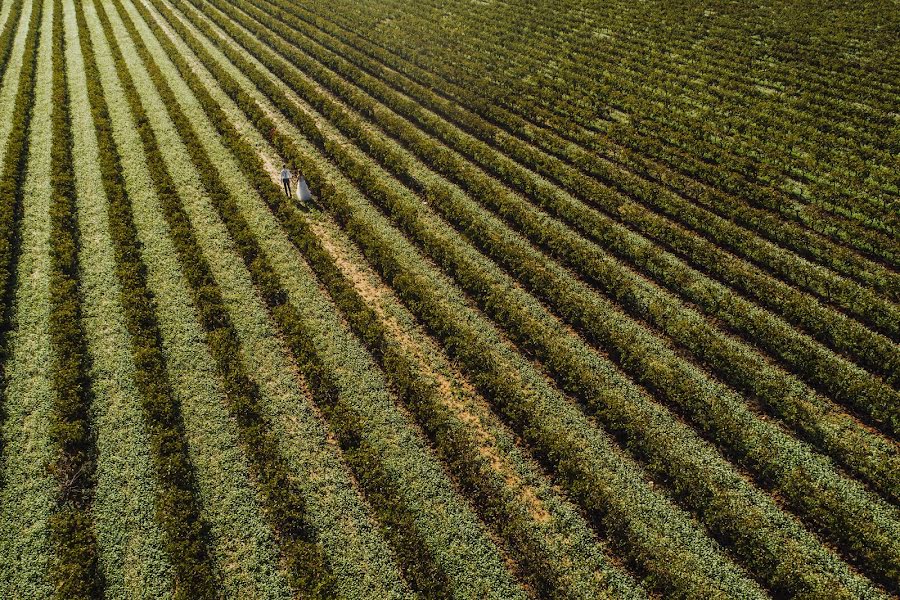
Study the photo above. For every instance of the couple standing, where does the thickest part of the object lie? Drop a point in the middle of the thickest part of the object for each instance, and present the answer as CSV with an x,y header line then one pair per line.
x,y
302,189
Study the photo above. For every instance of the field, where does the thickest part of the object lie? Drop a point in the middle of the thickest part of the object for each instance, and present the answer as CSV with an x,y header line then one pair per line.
x,y
593,299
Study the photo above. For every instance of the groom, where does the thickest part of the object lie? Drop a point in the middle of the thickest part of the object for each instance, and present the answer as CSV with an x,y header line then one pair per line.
x,y
286,180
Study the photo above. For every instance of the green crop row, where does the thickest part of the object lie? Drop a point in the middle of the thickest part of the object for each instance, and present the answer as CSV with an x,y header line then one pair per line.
x,y
709,86
75,570
27,489
424,564
14,164
584,456
717,59
738,365
683,156
514,74
828,326
718,71
176,505
541,136
14,11
309,127
569,550
243,548
285,503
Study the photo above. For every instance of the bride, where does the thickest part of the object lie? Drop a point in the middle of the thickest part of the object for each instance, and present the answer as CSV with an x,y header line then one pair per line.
x,y
302,189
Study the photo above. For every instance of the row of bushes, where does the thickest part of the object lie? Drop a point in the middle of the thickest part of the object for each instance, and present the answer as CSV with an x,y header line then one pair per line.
x,y
541,136
398,518
598,477
720,75
74,567
682,386
12,175
361,172
284,502
736,364
177,505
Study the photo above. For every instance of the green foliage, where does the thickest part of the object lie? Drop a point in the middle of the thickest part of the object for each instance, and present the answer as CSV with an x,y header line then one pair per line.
x,y
665,256
773,456
737,366
481,358
12,176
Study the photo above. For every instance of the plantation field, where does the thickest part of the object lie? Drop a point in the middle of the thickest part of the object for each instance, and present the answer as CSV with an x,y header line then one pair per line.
x,y
593,299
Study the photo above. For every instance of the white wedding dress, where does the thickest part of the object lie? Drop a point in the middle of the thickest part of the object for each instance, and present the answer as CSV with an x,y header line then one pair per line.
x,y
303,191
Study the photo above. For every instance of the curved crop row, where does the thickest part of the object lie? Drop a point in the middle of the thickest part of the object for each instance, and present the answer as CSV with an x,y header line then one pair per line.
x,y
333,149
176,505
75,570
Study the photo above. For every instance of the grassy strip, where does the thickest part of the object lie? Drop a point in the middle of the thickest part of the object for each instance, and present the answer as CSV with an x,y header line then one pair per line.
x,y
454,442
738,365
828,326
28,490
15,152
362,561
563,438
8,34
285,505
130,541
439,557
9,83
538,148
177,506
74,568
574,375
